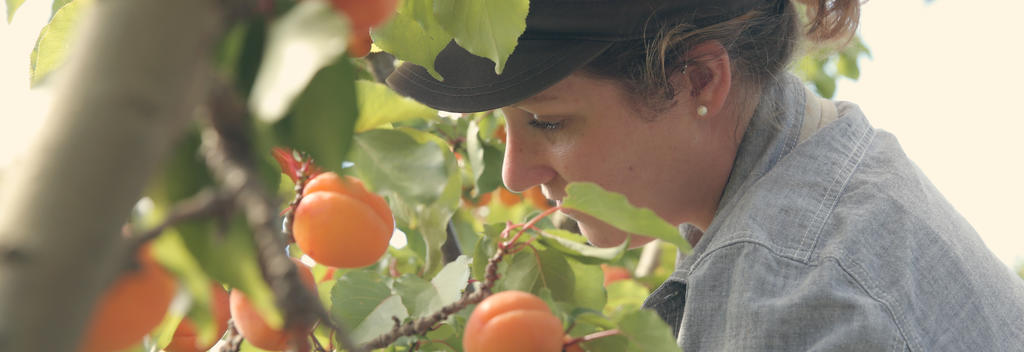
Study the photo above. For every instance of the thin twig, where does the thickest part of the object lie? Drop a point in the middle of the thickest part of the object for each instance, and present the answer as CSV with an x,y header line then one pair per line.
x,y
422,325
316,343
233,340
529,224
300,186
592,337
202,204
227,150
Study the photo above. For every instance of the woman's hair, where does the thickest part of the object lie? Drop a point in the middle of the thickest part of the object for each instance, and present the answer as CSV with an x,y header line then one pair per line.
x,y
760,44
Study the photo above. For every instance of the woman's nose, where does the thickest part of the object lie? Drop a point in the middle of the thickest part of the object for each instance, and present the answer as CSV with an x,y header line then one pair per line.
x,y
526,163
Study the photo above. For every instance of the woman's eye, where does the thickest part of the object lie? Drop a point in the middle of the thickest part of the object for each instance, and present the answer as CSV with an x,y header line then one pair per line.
x,y
544,125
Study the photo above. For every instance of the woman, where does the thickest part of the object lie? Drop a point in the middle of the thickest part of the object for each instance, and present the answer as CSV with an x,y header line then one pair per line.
x,y
811,229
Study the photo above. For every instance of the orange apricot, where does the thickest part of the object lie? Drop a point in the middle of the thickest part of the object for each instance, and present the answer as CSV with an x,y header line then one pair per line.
x,y
359,44
571,348
500,134
131,307
332,182
507,197
364,14
185,339
537,198
483,200
512,321
353,187
340,231
614,273
252,326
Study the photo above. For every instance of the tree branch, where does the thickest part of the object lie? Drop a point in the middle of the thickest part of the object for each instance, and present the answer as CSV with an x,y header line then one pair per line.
x,y
422,325
232,341
202,204
127,90
226,147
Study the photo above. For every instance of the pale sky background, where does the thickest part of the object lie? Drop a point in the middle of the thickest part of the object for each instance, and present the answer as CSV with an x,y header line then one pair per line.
x,y
945,78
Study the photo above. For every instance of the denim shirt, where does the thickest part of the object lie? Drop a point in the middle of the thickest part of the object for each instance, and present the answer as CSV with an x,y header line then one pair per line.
x,y
836,242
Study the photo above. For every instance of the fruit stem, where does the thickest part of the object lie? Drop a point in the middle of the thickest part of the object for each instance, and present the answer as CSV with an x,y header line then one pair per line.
x,y
316,342
592,337
529,224
300,185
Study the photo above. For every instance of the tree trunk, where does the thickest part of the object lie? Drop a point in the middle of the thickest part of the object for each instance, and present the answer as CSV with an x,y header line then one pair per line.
x,y
133,80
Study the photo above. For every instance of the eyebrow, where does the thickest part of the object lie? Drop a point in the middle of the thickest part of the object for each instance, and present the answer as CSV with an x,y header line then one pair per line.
x,y
539,98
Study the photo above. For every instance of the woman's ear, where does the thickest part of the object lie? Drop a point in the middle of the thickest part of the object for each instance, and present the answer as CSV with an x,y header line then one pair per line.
x,y
710,76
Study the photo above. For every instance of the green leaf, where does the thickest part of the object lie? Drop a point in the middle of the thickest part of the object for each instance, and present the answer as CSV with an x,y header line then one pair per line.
x,y
57,4
483,251
588,288
308,37
423,298
519,272
355,295
570,244
464,225
380,321
484,160
325,115
615,209
231,257
825,85
616,343
847,66
452,280
164,331
224,252
432,345
184,172
556,275
12,6
170,250
418,295
247,347
413,35
55,40
434,219
247,66
487,28
414,240
379,105
421,174
624,296
395,162
647,332
535,272
443,332
591,318
362,302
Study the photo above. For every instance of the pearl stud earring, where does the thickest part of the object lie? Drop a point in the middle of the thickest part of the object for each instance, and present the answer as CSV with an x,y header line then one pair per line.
x,y
702,110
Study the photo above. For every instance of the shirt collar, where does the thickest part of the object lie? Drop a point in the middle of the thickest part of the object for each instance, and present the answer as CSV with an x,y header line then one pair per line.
x,y
772,133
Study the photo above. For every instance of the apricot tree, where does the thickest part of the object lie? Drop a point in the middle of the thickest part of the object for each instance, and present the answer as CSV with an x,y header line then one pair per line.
x,y
174,123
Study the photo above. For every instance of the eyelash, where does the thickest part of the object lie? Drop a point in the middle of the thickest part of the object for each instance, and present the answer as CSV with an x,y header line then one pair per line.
x,y
544,125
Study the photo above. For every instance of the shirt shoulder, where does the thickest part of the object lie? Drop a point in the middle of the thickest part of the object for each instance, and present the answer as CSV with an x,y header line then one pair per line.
x,y
848,210
746,297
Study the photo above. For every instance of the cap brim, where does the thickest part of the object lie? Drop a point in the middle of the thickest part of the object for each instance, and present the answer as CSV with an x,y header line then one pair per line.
x,y
470,84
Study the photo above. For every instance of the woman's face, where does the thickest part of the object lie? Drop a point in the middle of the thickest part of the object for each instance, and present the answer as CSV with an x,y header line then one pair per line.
x,y
588,129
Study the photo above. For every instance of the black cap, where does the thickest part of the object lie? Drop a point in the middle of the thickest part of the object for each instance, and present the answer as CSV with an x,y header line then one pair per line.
x,y
561,36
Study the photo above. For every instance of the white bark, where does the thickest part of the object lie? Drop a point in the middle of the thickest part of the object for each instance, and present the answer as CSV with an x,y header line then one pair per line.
x,y
130,86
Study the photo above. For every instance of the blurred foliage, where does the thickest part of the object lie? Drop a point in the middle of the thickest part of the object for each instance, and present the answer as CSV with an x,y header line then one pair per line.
x,y
440,172
823,67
